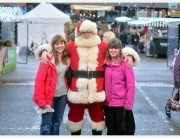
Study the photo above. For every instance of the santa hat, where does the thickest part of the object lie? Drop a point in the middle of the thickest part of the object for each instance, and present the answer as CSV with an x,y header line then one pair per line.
x,y
86,26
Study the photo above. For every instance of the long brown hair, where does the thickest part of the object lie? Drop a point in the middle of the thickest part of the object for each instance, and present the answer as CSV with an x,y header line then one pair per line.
x,y
56,39
113,43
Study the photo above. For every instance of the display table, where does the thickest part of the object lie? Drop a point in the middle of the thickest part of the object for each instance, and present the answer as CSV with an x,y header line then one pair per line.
x,y
9,59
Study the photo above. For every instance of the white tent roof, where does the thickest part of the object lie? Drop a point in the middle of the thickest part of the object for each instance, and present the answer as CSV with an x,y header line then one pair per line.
x,y
160,22
138,23
46,14
124,19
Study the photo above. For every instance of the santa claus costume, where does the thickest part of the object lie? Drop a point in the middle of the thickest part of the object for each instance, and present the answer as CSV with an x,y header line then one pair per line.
x,y
86,90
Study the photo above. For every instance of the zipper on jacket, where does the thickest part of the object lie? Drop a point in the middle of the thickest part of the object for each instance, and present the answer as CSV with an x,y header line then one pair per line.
x,y
50,80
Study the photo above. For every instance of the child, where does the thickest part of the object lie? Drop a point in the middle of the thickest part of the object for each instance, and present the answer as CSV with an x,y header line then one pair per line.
x,y
51,87
119,87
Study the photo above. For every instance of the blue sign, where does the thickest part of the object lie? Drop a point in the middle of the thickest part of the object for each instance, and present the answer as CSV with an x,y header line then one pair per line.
x,y
172,5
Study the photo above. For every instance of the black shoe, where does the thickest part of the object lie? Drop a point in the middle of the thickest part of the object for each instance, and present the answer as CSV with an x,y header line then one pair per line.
x,y
76,133
94,132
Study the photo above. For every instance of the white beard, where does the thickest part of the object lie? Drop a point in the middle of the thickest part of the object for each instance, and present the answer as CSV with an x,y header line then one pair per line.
x,y
93,41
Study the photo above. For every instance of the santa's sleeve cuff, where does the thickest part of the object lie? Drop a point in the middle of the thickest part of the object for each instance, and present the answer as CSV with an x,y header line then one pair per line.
x,y
127,51
41,48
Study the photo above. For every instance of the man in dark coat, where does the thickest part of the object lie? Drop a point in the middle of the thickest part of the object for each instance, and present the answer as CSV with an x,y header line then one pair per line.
x,y
135,40
123,38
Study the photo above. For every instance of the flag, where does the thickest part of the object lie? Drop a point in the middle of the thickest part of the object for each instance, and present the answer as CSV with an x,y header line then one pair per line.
x,y
144,30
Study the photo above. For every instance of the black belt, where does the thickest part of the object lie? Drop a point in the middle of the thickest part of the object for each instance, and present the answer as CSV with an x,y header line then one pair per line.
x,y
87,74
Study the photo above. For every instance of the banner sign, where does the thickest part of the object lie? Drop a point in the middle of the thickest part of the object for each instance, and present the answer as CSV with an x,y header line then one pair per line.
x,y
172,5
9,59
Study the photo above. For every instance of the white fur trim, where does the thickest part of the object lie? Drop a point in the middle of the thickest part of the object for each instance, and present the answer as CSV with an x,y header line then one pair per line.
x,y
129,51
83,97
87,26
93,95
94,40
88,58
74,126
40,49
83,54
98,126
92,58
78,97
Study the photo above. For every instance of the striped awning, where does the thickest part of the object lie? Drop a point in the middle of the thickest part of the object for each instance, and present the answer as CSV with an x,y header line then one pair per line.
x,y
155,22
15,11
138,23
161,22
10,14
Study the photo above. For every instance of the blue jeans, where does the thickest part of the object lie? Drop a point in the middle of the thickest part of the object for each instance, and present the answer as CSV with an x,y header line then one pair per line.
x,y
134,47
51,120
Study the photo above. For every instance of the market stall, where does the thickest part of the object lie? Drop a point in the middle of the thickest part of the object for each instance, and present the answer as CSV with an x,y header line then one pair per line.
x,y
46,21
8,37
156,35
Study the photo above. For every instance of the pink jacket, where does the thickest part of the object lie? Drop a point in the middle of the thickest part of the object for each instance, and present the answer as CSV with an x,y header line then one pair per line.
x,y
119,85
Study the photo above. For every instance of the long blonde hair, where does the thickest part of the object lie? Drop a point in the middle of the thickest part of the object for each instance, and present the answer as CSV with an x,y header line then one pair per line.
x,y
55,39
109,35
113,43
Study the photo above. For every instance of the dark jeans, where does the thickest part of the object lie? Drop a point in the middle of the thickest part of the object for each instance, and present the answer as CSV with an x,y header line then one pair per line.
x,y
113,119
123,44
51,121
134,47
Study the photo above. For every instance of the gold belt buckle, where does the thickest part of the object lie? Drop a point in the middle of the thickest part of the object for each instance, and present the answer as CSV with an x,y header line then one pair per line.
x,y
90,76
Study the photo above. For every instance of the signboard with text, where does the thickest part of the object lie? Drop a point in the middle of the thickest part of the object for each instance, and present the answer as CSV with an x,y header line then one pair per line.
x,y
9,59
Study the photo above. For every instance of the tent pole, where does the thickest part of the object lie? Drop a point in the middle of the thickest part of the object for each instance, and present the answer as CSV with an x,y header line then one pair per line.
x,y
27,43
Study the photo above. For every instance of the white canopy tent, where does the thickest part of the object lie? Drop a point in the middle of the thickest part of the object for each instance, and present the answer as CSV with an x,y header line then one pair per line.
x,y
46,21
124,19
46,14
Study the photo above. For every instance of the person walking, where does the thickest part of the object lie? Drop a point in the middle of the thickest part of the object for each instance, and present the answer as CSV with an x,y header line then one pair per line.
x,y
100,33
50,90
135,40
123,38
119,87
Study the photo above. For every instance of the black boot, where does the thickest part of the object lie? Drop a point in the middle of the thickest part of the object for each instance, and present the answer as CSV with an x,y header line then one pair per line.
x,y
94,132
76,133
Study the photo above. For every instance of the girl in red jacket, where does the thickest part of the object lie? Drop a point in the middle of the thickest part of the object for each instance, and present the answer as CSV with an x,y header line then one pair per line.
x,y
48,95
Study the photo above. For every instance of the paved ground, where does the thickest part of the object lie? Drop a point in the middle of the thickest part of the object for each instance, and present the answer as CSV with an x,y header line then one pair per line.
x,y
153,86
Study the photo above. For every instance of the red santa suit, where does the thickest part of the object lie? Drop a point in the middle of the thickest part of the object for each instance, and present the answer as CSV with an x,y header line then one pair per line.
x,y
86,90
